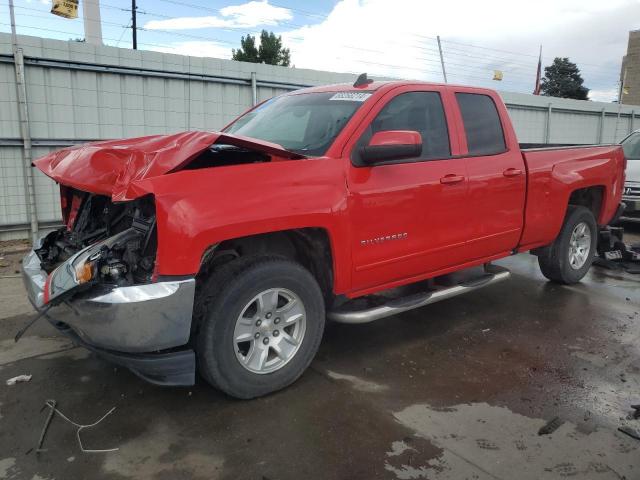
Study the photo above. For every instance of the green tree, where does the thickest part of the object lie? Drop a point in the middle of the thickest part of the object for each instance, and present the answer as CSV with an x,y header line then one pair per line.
x,y
562,79
247,51
270,50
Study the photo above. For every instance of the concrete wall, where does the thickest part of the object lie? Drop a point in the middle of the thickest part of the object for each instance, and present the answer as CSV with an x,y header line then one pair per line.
x,y
78,92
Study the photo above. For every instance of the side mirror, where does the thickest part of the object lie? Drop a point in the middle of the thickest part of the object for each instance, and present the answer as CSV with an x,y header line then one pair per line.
x,y
392,145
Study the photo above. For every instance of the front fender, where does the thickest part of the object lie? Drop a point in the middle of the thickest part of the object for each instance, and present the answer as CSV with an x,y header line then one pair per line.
x,y
198,208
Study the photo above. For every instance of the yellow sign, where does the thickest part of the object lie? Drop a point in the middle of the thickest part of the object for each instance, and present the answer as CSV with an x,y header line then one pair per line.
x,y
497,75
65,8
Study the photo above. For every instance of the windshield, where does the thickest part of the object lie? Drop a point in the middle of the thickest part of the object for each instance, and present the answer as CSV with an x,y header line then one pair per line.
x,y
305,123
631,146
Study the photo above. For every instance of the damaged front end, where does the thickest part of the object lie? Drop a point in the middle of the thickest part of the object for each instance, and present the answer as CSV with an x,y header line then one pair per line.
x,y
102,243
99,279
94,280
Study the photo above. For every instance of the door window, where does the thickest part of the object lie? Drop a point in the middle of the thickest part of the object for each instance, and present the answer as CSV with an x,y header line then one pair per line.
x,y
418,111
481,124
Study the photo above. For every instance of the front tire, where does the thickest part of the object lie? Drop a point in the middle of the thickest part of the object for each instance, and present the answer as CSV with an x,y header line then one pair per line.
x,y
570,256
260,321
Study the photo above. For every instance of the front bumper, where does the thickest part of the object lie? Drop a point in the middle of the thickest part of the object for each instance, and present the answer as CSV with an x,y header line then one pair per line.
x,y
129,326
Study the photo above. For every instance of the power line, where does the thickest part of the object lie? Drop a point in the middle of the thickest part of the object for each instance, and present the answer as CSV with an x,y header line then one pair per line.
x,y
449,50
473,62
122,34
456,51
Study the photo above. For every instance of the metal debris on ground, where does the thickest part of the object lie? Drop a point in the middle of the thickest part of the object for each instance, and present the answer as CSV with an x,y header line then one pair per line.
x,y
632,432
18,379
41,313
39,448
614,253
52,405
551,426
636,411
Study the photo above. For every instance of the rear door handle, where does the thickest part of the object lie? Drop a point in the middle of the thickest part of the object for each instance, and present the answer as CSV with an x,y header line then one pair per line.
x,y
512,172
451,178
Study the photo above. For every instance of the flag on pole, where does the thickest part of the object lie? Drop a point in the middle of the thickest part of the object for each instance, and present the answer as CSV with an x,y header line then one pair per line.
x,y
536,90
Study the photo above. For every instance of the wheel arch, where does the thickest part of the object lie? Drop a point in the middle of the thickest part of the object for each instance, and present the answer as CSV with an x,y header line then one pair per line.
x,y
312,247
591,197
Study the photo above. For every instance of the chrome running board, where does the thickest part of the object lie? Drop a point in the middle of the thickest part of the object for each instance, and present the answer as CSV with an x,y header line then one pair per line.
x,y
493,274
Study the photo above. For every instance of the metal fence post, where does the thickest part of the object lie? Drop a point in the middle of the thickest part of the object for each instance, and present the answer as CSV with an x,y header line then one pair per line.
x,y
25,130
547,127
254,89
601,130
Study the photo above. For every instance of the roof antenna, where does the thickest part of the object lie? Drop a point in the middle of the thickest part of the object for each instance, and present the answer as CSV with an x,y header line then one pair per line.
x,y
362,81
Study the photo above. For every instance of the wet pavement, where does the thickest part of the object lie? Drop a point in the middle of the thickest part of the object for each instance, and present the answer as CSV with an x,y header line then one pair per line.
x,y
455,390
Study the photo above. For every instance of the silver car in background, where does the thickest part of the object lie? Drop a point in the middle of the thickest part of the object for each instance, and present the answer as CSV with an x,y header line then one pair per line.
x,y
631,191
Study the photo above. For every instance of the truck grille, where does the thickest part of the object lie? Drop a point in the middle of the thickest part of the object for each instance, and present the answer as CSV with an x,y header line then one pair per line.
x,y
631,191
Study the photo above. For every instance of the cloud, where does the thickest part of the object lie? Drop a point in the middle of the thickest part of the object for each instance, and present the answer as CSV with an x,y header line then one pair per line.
x,y
247,15
399,41
256,13
607,95
197,49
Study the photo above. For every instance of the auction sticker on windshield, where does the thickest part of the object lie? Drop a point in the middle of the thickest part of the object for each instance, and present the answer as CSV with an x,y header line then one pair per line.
x,y
351,96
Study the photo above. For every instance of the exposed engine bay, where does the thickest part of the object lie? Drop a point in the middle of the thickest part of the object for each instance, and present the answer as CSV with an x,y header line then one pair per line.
x,y
91,219
226,155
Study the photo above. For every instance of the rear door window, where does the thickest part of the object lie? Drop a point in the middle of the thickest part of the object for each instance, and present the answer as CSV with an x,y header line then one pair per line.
x,y
481,124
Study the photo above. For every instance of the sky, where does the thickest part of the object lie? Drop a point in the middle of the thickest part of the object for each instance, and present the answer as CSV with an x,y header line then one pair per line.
x,y
387,38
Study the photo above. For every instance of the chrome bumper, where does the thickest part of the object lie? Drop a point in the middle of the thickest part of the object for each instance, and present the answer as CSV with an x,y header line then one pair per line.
x,y
139,318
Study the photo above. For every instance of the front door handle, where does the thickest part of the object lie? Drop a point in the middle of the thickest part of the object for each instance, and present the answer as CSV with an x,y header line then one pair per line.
x,y
512,172
451,178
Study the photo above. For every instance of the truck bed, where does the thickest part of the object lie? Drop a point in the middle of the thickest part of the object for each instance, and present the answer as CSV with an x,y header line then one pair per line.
x,y
554,172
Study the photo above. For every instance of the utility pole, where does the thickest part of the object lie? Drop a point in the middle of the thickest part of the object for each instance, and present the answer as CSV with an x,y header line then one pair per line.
x,y
444,72
25,130
134,29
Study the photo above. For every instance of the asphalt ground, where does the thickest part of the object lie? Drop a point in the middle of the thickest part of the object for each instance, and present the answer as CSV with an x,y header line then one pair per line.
x,y
455,390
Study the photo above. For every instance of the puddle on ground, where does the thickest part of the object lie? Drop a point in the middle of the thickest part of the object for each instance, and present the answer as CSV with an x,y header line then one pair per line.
x,y
398,448
484,441
31,346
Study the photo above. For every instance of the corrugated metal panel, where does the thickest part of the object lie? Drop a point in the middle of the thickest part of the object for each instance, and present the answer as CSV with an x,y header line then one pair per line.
x,y
616,127
574,127
529,124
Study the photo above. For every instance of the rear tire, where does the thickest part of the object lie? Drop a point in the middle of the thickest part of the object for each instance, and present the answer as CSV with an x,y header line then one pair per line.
x,y
260,323
569,257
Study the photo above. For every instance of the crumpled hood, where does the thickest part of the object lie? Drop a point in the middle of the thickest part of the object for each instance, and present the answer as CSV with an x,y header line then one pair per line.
x,y
112,167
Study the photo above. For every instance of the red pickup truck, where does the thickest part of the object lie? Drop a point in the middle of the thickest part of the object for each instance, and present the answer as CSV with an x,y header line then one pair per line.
x,y
226,251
